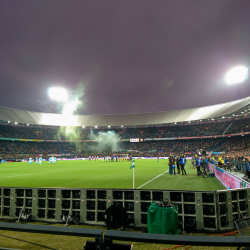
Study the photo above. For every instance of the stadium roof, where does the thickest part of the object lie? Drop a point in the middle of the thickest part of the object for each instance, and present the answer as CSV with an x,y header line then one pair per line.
x,y
174,116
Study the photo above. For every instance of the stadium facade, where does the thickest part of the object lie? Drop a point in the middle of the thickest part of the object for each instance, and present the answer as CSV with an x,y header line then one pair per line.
x,y
225,110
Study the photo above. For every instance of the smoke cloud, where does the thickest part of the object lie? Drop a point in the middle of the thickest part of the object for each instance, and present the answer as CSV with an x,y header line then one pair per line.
x,y
105,141
68,109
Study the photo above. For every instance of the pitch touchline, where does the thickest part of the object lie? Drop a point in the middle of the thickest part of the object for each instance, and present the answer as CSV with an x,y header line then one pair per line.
x,y
31,174
152,179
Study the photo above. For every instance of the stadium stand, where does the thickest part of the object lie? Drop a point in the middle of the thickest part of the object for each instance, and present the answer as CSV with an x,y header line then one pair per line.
x,y
167,131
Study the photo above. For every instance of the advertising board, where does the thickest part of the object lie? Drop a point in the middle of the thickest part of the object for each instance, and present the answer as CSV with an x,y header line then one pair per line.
x,y
227,179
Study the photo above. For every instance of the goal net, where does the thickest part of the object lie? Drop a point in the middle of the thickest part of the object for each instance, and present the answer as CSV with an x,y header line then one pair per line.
x,y
121,155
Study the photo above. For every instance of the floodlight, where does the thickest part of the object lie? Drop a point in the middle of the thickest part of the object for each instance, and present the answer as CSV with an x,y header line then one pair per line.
x,y
83,126
108,126
27,124
237,75
122,126
58,94
95,126
15,122
8,121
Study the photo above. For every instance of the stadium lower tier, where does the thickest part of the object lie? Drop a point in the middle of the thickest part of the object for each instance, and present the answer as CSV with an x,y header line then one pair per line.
x,y
237,146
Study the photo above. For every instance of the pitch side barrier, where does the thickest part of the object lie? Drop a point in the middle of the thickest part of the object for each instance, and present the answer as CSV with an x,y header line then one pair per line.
x,y
213,211
228,179
97,234
106,241
110,235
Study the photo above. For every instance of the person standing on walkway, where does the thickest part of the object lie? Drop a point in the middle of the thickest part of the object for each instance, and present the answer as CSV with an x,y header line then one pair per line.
x,y
198,166
170,164
178,164
183,162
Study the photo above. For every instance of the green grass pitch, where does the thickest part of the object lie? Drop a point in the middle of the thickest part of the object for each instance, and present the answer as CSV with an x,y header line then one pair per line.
x,y
99,174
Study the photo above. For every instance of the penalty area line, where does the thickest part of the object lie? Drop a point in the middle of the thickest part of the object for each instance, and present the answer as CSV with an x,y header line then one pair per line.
x,y
31,174
152,179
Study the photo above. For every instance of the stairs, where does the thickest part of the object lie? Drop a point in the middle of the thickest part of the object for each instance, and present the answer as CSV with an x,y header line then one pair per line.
x,y
227,128
217,146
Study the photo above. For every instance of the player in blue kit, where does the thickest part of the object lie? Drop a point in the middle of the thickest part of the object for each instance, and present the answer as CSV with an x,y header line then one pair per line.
x,y
198,166
40,160
182,162
30,160
51,160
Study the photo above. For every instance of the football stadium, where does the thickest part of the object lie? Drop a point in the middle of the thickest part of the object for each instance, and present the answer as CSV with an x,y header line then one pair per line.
x,y
98,166
124,125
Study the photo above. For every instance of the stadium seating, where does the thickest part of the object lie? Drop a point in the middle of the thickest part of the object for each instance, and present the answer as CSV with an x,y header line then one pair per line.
x,y
168,131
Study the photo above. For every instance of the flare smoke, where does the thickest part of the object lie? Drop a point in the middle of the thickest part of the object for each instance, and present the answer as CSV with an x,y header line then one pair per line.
x,y
105,141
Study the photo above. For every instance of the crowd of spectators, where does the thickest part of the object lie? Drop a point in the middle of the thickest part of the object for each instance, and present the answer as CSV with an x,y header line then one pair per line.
x,y
234,146
239,126
187,130
238,146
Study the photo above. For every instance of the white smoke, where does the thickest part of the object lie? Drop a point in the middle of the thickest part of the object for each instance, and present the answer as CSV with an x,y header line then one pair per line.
x,y
105,141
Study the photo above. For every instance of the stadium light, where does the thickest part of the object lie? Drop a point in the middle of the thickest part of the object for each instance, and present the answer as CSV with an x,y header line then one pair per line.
x,y
8,121
122,126
58,94
83,126
237,75
27,124
108,126
95,126
15,122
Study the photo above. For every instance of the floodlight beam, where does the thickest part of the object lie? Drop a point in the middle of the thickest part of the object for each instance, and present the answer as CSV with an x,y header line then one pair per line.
x,y
236,75
58,94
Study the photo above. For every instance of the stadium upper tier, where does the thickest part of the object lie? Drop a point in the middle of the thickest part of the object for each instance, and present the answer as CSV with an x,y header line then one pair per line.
x,y
209,128
175,116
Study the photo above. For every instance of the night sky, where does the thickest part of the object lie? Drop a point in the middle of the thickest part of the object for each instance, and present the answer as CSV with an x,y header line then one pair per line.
x,y
132,56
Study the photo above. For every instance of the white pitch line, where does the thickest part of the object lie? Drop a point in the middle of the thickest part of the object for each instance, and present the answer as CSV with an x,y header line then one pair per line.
x,y
31,174
152,179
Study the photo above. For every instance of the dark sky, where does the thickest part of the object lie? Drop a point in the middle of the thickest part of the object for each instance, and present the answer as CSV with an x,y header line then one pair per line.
x,y
132,56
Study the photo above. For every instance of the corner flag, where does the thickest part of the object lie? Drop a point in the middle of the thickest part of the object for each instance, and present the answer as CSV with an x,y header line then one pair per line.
x,y
132,164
